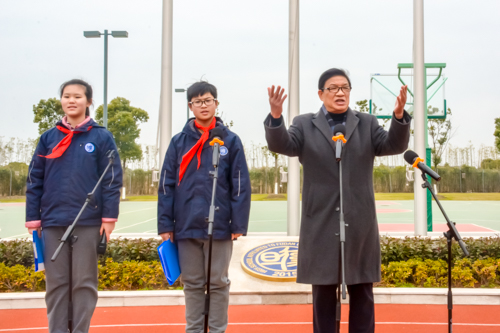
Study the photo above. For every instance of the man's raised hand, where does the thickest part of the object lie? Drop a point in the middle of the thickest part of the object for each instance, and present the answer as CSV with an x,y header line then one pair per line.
x,y
276,99
400,102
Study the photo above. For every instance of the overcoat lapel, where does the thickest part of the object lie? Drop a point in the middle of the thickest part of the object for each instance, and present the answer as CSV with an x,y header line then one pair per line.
x,y
350,123
321,124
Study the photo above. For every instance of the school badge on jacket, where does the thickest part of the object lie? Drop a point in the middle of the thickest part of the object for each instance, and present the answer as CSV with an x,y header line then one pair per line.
x,y
89,147
223,151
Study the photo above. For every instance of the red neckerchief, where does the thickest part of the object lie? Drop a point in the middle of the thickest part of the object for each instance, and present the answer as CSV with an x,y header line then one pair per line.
x,y
196,149
61,147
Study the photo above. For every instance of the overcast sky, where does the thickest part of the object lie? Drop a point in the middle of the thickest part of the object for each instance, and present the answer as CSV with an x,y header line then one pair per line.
x,y
242,48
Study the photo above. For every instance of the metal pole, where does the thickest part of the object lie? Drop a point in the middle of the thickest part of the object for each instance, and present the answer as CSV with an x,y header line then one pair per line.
x,y
483,180
460,177
293,202
10,190
419,111
105,96
390,182
187,106
166,79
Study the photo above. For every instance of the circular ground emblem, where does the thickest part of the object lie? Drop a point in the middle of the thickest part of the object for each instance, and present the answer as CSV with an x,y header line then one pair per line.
x,y
275,261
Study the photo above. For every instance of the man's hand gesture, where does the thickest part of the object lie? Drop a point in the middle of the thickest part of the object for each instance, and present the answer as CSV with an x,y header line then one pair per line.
x,y
276,100
399,108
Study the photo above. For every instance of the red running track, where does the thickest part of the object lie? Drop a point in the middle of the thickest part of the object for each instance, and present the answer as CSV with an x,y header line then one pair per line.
x,y
390,318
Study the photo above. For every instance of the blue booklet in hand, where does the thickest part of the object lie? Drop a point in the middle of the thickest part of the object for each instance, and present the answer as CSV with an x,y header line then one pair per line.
x,y
38,252
169,258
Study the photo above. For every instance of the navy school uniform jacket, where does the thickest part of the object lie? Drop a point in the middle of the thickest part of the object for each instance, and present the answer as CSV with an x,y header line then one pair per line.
x,y
57,188
182,208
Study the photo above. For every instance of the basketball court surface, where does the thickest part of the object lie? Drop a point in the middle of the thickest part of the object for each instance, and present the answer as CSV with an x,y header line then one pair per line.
x,y
138,218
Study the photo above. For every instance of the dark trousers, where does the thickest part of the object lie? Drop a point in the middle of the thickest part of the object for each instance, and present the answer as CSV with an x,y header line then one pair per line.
x,y
361,308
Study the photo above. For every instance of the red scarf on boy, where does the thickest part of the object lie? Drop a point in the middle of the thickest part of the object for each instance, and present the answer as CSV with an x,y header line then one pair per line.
x,y
196,149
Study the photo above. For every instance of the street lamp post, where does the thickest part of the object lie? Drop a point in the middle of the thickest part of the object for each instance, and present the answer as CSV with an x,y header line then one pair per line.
x,y
181,90
97,34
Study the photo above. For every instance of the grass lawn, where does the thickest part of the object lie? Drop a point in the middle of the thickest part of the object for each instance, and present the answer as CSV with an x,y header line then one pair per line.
x,y
142,198
13,199
378,196
282,197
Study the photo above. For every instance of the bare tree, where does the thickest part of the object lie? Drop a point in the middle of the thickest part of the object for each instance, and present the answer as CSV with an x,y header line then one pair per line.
x,y
440,133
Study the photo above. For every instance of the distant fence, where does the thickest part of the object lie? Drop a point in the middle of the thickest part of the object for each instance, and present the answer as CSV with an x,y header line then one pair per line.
x,y
385,179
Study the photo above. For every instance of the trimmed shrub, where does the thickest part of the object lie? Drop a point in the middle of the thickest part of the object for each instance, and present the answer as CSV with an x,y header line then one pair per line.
x,y
20,252
128,275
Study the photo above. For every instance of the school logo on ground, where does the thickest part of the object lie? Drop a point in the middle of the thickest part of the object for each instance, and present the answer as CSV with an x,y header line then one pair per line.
x,y
275,261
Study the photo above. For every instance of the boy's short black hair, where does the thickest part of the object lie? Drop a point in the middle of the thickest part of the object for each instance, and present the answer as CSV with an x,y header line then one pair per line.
x,y
329,74
199,89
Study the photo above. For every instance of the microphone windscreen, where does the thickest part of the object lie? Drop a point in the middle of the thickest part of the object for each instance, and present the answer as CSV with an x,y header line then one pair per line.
x,y
216,132
340,128
410,156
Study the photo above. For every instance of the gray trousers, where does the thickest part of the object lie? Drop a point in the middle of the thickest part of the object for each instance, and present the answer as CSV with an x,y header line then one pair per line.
x,y
193,260
84,278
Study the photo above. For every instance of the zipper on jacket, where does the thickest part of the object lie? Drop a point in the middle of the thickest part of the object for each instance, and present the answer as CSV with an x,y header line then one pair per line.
x,y
29,174
239,182
164,175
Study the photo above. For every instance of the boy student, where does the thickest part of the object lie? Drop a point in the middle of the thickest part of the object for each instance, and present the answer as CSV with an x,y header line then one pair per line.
x,y
184,195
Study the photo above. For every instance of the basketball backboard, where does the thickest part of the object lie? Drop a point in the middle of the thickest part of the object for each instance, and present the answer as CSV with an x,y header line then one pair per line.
x,y
384,89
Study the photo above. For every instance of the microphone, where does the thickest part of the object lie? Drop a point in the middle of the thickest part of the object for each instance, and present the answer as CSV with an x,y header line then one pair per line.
x,y
216,141
339,131
412,158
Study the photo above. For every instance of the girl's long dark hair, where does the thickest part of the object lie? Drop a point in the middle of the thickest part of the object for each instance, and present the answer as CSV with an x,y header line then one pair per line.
x,y
88,90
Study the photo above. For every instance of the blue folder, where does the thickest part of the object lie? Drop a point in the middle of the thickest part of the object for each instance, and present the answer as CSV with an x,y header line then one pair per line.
x,y
38,252
169,258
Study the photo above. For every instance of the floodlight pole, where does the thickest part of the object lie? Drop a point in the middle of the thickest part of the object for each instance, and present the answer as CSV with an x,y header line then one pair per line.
x,y
184,90
97,34
293,201
419,113
165,114
105,94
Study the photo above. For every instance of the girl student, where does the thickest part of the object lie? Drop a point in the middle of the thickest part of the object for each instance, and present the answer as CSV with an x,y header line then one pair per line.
x,y
67,164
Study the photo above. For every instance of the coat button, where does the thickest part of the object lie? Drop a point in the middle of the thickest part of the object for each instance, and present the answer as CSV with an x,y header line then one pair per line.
x,y
337,209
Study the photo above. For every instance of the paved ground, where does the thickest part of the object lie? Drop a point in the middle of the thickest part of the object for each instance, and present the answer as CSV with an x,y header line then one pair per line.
x,y
270,216
393,318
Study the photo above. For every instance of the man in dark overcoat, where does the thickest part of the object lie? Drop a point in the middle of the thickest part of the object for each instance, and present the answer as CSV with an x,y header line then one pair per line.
x,y
310,138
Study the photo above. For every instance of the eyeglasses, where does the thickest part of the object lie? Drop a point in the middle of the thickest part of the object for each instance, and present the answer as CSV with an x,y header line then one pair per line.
x,y
335,90
207,102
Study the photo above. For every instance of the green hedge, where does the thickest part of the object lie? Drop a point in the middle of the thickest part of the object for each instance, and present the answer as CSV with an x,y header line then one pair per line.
x,y
127,275
147,275
20,252
402,249
434,273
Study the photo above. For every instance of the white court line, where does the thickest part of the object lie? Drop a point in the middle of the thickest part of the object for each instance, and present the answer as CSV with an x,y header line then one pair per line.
x,y
139,210
255,324
480,226
154,218
26,233
267,221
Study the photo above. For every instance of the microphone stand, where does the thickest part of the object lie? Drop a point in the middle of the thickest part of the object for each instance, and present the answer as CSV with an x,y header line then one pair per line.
x,y
216,143
451,234
71,240
341,286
